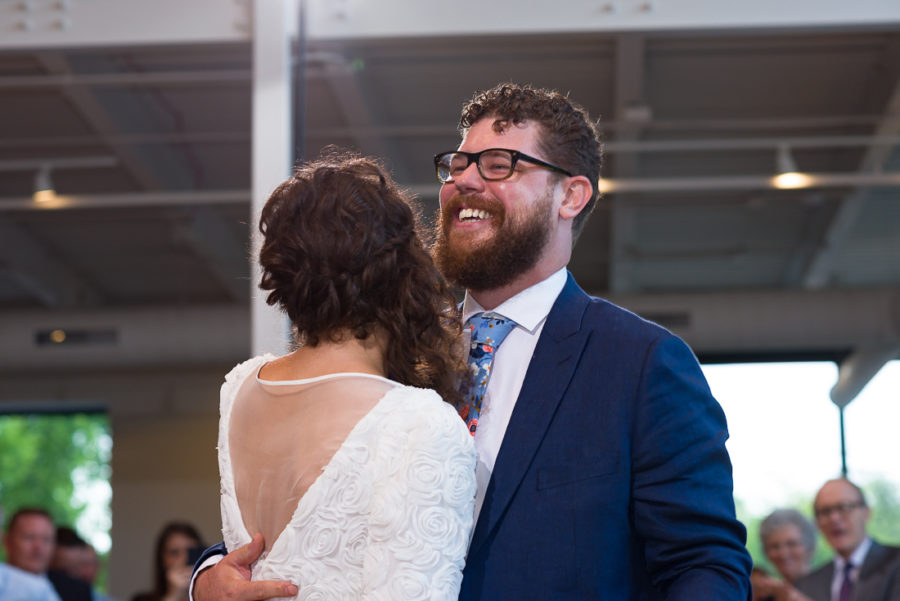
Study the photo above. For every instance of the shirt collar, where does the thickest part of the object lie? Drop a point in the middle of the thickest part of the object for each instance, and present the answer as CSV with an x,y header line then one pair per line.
x,y
529,307
856,558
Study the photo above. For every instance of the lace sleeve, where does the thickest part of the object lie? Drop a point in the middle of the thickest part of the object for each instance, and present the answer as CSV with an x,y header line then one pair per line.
x,y
423,506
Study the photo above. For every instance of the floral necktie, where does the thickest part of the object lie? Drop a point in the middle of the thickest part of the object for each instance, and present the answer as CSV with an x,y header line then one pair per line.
x,y
488,331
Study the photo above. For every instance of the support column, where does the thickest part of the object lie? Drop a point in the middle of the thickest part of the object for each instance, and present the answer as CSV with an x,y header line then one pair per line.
x,y
273,23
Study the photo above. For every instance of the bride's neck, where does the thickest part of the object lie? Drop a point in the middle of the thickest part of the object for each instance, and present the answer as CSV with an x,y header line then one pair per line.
x,y
349,354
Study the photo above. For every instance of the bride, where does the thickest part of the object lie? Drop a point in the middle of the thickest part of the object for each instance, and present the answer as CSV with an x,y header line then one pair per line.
x,y
347,454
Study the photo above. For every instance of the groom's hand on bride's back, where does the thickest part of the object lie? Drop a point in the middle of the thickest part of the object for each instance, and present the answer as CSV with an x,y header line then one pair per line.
x,y
229,580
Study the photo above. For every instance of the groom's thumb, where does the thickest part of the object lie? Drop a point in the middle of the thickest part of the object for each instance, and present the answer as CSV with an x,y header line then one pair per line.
x,y
250,552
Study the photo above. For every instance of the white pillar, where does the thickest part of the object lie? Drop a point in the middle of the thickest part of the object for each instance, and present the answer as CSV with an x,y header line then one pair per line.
x,y
273,23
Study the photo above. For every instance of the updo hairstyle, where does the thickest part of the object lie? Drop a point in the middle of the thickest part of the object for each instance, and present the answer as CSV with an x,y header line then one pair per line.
x,y
341,255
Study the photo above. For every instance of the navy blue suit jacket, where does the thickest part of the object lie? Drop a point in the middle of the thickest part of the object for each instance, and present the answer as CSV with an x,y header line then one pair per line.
x,y
612,481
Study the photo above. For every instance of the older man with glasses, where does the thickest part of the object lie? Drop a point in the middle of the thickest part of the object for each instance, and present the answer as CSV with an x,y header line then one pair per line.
x,y
862,569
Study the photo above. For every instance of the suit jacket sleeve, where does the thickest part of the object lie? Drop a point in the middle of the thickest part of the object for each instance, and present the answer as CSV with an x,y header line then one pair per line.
x,y
214,551
683,506
209,558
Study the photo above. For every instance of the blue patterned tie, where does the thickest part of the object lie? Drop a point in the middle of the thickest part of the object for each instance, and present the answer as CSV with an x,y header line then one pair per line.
x,y
488,331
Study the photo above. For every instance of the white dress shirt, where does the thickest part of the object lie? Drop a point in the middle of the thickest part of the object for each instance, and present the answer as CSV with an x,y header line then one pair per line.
x,y
529,309
856,558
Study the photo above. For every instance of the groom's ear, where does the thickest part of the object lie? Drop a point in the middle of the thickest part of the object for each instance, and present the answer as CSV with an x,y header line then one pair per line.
x,y
578,192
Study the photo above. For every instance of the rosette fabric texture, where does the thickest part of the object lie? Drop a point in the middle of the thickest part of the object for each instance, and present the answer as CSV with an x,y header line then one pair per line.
x,y
387,516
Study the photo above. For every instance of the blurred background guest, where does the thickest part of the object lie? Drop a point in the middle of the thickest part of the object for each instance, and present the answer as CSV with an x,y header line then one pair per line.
x,y
69,555
29,541
173,563
789,542
77,558
19,585
862,568
90,569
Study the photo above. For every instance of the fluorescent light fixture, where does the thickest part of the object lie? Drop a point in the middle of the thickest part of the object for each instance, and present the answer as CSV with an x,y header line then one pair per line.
x,y
792,180
789,177
604,186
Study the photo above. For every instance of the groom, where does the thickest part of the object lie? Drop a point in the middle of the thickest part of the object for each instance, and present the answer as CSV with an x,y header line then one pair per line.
x,y
602,467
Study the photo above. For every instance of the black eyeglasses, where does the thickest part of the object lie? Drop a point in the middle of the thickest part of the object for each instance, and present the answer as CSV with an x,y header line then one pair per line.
x,y
842,509
493,164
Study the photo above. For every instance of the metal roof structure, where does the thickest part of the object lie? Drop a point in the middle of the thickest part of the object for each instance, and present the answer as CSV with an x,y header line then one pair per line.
x,y
142,116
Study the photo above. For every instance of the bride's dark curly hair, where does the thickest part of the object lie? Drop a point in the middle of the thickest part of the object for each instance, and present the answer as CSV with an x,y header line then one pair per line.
x,y
341,253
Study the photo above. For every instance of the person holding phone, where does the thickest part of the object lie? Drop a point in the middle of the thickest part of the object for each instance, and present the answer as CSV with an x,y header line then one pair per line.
x,y
177,547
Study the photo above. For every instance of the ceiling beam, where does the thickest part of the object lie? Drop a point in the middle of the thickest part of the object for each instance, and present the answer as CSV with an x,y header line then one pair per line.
x,y
739,322
401,18
820,266
127,200
104,122
52,282
359,114
105,23
629,108
126,79
156,167
617,146
196,137
99,23
209,236
430,191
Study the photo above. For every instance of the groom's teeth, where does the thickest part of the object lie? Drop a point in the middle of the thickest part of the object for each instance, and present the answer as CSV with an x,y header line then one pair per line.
x,y
472,214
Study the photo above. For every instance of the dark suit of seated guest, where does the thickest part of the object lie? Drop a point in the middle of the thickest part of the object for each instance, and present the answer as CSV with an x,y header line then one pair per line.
x,y
68,588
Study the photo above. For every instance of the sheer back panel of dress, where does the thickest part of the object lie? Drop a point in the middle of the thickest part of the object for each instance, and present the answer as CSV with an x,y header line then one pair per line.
x,y
283,434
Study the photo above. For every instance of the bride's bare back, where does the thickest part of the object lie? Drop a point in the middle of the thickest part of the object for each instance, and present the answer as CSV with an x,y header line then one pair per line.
x,y
284,433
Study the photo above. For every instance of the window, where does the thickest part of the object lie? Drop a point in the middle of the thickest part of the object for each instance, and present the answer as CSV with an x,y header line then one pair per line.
x,y
59,462
785,440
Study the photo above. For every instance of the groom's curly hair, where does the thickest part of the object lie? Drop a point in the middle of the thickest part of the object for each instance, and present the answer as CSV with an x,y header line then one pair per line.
x,y
341,254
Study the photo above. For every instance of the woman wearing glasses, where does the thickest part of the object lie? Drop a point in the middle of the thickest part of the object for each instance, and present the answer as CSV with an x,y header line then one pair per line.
x,y
347,454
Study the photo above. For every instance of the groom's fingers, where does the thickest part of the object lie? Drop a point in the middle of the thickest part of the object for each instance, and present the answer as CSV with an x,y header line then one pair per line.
x,y
223,583
243,557
268,589
229,580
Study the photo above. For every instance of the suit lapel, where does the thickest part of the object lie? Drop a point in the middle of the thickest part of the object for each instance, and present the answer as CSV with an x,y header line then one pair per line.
x,y
869,581
821,584
549,373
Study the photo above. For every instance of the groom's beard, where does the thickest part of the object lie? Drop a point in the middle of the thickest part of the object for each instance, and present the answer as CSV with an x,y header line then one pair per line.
x,y
514,247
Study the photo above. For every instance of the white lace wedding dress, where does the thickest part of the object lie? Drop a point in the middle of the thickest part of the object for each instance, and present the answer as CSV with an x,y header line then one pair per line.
x,y
384,512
